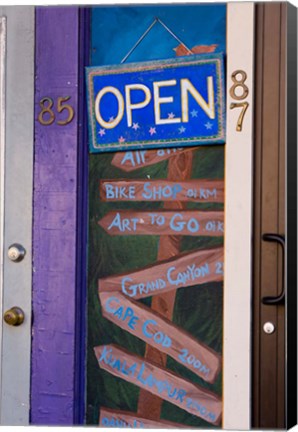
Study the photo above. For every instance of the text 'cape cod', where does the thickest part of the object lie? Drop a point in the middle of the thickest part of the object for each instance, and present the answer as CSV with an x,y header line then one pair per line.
x,y
161,333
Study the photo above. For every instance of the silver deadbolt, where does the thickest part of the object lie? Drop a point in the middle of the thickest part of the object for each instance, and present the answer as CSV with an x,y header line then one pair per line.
x,y
268,327
16,252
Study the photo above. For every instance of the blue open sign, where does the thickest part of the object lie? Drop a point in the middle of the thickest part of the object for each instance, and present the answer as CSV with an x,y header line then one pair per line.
x,y
171,103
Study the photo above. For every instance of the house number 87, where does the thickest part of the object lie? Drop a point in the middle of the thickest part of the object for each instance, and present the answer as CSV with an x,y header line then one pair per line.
x,y
47,116
239,91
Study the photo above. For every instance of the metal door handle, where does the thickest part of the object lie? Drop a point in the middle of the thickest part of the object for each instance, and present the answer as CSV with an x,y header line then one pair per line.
x,y
280,299
14,316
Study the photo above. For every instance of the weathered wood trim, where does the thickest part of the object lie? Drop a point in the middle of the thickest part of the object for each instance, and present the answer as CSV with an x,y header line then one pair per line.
x,y
179,167
16,171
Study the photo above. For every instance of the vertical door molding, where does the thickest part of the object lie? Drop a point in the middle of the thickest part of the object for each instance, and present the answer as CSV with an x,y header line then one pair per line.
x,y
291,217
16,208
238,220
2,166
55,218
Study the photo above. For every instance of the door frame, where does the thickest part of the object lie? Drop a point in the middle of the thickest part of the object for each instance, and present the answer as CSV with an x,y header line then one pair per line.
x,y
17,181
75,339
238,222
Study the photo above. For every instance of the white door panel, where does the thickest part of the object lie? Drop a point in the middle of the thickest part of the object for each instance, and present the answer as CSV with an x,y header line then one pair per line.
x,y
16,137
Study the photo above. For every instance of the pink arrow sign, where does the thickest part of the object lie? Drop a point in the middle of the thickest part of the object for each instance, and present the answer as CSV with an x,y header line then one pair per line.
x,y
161,333
160,381
165,222
202,190
130,161
188,269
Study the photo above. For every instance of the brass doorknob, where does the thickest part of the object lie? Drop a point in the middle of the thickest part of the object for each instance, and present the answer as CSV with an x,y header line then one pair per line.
x,y
14,316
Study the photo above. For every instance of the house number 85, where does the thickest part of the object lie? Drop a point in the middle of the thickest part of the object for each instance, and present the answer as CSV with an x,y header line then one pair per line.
x,y
239,91
47,116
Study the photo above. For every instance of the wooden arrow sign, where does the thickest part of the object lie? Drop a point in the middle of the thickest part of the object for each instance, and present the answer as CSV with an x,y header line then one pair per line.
x,y
131,420
162,190
160,381
161,333
194,268
164,222
130,161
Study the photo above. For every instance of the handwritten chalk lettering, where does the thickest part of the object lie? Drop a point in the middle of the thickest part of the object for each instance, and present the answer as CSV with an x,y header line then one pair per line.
x,y
122,313
150,327
161,382
157,336
120,193
219,268
214,226
157,219
162,190
127,419
130,161
141,289
160,193
190,359
165,222
192,273
189,269
118,423
201,193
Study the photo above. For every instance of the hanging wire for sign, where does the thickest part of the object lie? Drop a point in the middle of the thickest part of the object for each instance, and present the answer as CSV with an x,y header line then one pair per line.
x,y
156,20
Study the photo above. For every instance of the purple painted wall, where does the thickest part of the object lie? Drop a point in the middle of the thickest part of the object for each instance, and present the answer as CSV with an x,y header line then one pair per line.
x,y
54,236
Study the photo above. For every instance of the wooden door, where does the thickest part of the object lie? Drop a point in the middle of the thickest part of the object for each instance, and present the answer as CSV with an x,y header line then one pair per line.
x,y
269,326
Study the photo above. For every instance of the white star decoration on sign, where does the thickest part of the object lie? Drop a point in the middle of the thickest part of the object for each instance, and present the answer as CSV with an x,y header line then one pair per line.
x,y
101,132
208,125
121,140
194,113
152,130
182,129
171,115
111,119
136,126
